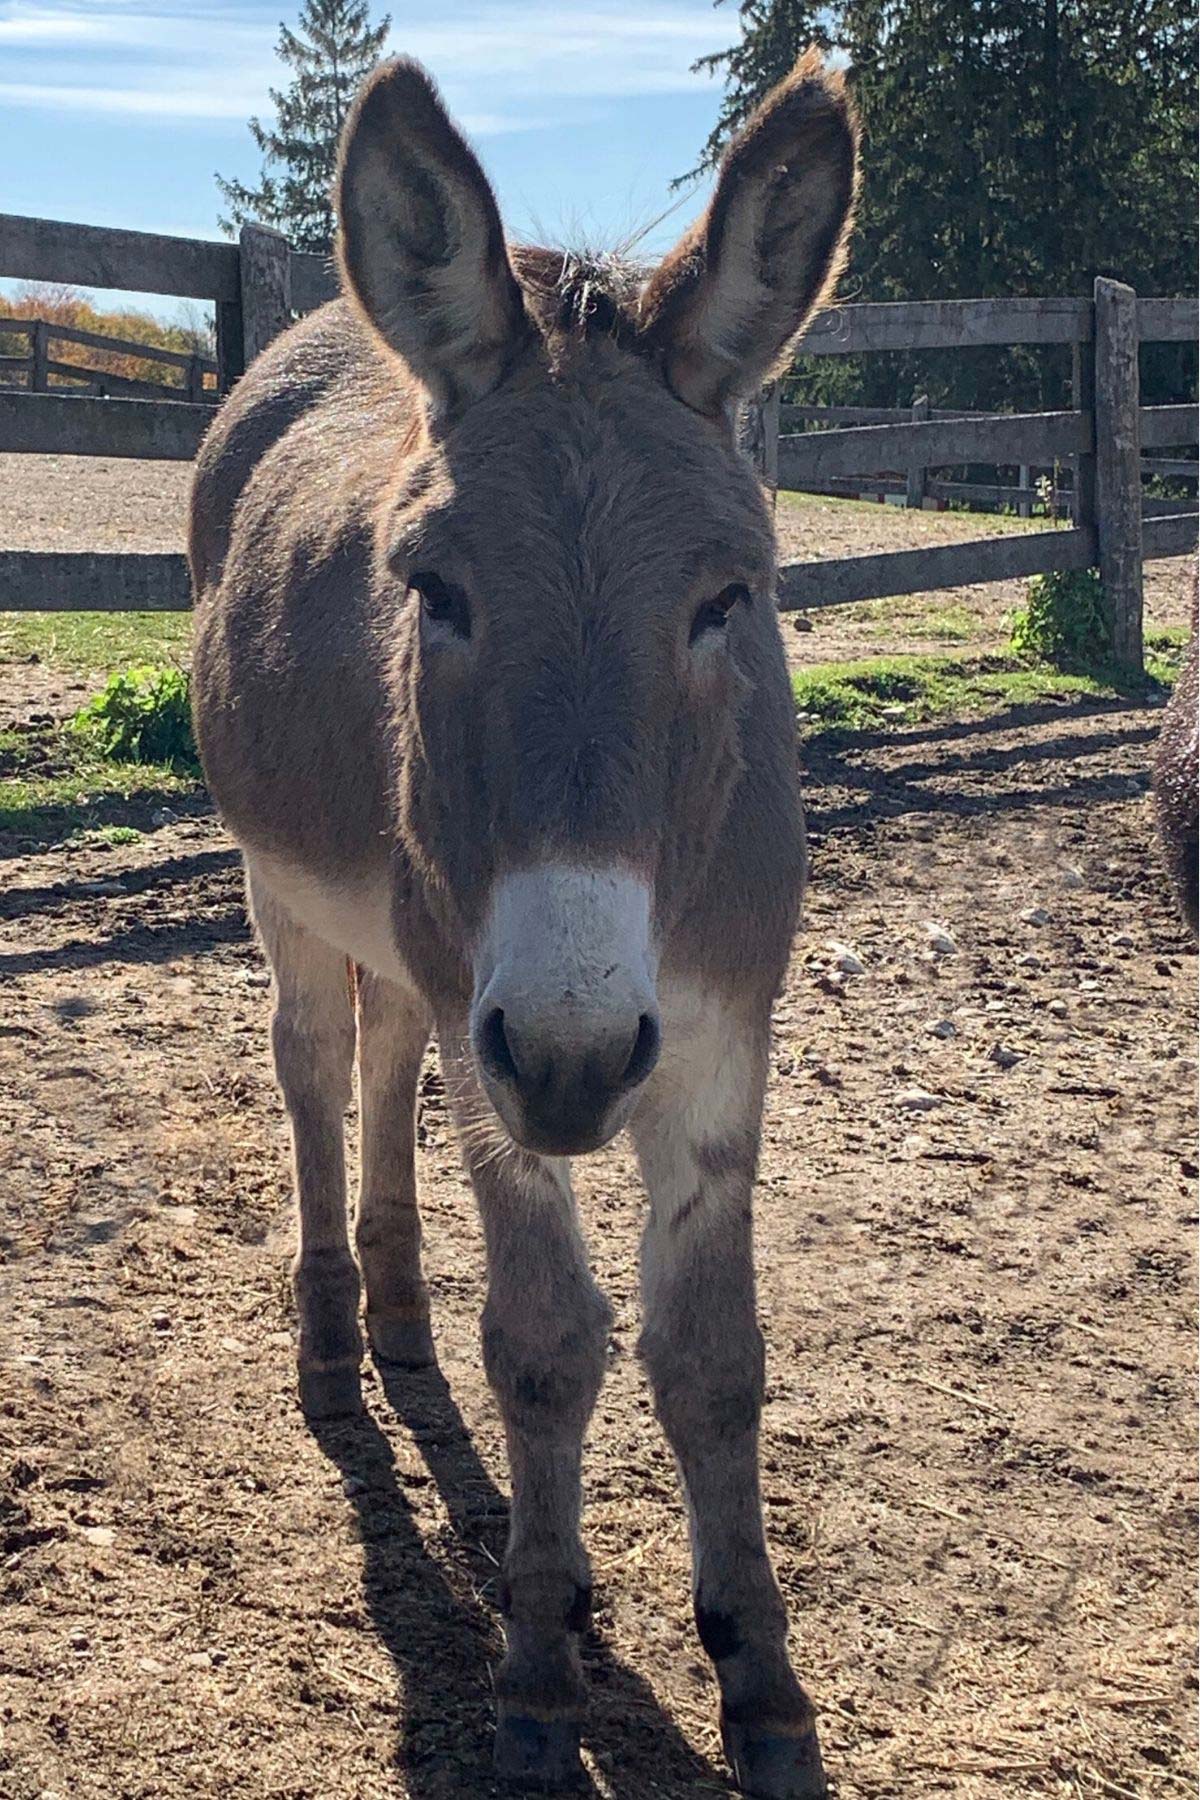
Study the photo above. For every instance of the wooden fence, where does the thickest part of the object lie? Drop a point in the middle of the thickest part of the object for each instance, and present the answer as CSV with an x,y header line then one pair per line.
x,y
259,284
33,371
1036,484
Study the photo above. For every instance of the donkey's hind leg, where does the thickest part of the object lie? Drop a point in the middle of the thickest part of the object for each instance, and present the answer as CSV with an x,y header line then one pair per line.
x,y
312,1036
393,1030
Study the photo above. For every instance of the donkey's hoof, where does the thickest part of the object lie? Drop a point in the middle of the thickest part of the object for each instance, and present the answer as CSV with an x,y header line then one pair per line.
x,y
542,1754
772,1765
406,1342
331,1393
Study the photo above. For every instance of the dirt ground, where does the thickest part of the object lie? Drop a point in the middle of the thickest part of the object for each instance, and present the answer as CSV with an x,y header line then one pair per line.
x,y
976,1219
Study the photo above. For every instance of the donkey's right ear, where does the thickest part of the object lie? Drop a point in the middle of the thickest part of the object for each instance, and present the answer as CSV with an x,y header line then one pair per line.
x,y
421,246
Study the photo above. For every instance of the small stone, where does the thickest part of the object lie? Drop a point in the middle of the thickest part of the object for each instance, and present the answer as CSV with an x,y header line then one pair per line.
x,y
352,1485
1058,1008
150,1665
162,815
257,978
802,622
161,1321
108,888
1030,960
1035,915
234,1345
1004,1056
1070,876
847,961
178,1215
942,1028
940,941
895,712
1122,941
79,1640
917,1100
102,1536
199,1659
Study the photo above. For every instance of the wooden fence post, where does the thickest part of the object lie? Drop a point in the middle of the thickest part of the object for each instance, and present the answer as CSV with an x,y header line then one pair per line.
x,y
195,378
914,493
231,357
1118,467
1083,465
39,346
758,436
266,284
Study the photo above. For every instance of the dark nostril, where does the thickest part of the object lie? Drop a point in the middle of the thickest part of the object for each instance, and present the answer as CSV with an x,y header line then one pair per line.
x,y
494,1050
645,1052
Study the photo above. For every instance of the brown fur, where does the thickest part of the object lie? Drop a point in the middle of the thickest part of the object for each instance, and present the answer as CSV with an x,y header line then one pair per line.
x,y
1177,783
554,441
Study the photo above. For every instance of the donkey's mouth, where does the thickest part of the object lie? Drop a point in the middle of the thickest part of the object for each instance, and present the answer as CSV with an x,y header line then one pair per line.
x,y
563,1098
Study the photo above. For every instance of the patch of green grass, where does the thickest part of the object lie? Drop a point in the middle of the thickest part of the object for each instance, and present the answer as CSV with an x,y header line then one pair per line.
x,y
909,690
141,715
92,641
56,785
954,624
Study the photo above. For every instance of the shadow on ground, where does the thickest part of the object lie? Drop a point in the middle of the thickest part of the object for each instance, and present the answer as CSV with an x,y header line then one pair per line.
x,y
445,1638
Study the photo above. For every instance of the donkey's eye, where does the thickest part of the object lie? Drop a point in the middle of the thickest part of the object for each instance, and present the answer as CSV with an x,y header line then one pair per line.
x,y
441,602
714,614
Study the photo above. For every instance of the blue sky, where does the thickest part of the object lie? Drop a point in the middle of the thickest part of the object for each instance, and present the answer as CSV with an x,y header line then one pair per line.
x,y
118,112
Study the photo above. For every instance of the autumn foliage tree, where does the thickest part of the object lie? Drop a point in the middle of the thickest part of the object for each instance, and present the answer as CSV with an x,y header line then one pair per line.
x,y
60,305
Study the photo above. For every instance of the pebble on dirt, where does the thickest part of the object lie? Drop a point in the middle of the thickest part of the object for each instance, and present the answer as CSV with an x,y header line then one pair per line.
x,y
940,941
942,1028
845,960
1035,915
917,1100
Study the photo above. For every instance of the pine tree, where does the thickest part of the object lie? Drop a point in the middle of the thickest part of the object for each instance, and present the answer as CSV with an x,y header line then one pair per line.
x,y
333,48
1009,147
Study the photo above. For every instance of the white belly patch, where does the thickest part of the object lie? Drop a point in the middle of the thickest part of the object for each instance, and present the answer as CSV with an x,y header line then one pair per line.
x,y
354,916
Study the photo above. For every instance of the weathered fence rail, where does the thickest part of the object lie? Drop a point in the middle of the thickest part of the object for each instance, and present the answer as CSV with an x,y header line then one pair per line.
x,y
38,366
259,284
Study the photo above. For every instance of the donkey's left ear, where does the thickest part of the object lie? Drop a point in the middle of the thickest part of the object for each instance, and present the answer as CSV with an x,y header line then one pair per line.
x,y
721,310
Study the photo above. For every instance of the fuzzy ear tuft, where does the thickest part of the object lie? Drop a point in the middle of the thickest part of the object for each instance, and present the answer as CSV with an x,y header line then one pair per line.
x,y
722,308
421,246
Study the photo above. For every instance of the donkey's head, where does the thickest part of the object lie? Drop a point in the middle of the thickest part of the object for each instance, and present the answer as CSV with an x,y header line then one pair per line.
x,y
587,565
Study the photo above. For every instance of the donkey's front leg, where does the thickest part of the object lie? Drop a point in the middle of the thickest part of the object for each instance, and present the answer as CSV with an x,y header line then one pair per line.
x,y
545,1328
313,1036
697,1134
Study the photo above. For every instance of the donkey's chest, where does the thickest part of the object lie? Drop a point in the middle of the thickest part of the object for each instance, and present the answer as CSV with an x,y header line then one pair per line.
x,y
353,913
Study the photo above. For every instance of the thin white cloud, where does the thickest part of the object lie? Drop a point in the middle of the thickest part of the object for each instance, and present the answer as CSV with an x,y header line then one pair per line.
x,y
202,63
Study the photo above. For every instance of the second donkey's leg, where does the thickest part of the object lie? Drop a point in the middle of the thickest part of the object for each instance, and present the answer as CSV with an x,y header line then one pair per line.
x,y
545,1328
697,1138
393,1029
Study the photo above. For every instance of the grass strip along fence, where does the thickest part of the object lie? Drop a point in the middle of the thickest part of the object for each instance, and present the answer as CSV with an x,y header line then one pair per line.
x,y
259,284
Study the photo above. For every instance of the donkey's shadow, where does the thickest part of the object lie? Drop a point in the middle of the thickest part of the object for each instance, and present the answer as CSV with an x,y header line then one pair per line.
x,y
445,1640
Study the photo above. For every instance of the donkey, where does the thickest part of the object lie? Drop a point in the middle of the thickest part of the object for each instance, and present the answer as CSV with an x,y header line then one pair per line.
x,y
1177,780
490,690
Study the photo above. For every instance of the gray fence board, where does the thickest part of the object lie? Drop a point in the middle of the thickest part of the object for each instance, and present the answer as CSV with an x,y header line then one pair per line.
x,y
1168,425
71,425
92,581
99,256
945,325
1168,321
1012,438
851,578
1174,535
